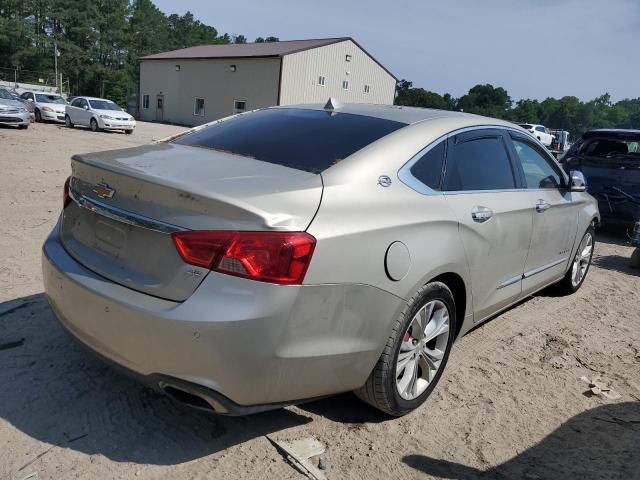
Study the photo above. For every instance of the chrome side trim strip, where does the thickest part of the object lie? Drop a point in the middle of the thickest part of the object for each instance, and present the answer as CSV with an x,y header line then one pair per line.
x,y
530,273
122,216
510,281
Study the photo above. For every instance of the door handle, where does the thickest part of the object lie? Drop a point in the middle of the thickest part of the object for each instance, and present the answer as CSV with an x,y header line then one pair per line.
x,y
542,206
481,214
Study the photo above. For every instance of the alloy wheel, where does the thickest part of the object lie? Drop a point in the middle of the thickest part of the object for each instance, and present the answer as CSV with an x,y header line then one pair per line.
x,y
582,260
422,349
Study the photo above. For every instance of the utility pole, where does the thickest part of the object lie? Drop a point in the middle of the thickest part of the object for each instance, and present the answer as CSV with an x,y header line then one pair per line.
x,y
55,62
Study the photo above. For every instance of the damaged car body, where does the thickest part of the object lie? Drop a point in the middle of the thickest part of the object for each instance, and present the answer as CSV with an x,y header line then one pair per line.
x,y
296,252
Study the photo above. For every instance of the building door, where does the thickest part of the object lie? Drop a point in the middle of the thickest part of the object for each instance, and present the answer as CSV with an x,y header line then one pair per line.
x,y
159,108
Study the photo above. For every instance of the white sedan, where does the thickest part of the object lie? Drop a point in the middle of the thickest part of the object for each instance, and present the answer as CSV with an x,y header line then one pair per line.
x,y
540,132
98,114
48,107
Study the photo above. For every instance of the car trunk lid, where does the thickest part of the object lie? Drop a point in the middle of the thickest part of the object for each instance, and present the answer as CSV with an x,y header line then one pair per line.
x,y
128,202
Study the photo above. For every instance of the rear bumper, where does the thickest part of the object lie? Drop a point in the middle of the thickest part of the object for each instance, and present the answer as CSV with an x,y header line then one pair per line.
x,y
246,343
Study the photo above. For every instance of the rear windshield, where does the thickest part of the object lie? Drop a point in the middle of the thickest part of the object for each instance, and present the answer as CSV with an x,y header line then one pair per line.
x,y
611,147
310,140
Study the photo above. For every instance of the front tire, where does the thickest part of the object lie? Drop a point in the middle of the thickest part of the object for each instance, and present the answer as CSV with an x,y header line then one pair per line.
x,y
94,125
128,132
574,278
67,121
415,354
38,116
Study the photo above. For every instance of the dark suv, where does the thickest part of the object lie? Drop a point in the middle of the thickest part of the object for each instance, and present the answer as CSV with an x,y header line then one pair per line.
x,y
610,161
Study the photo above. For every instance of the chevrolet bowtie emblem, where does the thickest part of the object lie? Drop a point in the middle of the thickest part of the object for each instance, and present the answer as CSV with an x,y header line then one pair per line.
x,y
103,190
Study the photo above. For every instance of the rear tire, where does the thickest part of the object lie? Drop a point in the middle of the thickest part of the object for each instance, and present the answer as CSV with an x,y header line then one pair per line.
x,y
418,348
574,278
94,125
635,258
67,121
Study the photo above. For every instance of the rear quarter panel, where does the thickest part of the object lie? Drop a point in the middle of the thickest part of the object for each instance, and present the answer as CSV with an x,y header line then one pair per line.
x,y
359,219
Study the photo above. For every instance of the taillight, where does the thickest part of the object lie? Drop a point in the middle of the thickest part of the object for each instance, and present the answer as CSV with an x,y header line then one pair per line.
x,y
65,194
276,257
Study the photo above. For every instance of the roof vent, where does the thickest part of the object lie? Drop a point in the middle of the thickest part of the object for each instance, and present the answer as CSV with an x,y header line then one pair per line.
x,y
333,104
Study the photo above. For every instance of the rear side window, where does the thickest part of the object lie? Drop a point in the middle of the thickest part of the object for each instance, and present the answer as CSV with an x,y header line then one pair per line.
x,y
479,164
310,140
429,168
538,172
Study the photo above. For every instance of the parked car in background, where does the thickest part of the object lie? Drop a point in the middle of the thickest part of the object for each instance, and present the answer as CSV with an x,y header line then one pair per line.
x,y
12,111
540,132
16,96
610,161
296,252
47,107
98,114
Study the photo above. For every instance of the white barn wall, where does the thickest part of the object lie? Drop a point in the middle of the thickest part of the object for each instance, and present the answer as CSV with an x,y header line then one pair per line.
x,y
300,72
255,80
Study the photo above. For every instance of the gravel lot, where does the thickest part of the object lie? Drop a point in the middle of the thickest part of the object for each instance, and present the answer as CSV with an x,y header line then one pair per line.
x,y
511,403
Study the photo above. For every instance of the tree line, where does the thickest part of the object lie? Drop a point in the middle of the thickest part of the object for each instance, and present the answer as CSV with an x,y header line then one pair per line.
x,y
99,41
567,113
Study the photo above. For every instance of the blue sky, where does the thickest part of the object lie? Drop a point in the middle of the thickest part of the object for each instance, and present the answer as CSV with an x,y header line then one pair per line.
x,y
533,48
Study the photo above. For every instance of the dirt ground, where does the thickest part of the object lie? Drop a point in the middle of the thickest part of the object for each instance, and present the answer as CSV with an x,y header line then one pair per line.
x,y
511,403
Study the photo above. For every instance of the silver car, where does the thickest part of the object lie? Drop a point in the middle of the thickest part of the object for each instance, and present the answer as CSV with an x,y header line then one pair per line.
x,y
296,252
12,111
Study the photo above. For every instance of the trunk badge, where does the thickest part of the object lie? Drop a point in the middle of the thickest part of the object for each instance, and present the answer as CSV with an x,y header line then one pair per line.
x,y
103,190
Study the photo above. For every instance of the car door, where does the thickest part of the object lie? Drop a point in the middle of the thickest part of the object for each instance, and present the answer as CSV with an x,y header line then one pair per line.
x,y
85,112
555,214
73,111
484,190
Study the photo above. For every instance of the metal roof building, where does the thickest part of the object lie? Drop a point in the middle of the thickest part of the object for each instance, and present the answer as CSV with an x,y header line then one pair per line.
x,y
199,84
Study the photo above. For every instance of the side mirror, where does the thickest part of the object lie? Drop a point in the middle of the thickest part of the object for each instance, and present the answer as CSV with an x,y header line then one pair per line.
x,y
578,182
29,99
86,107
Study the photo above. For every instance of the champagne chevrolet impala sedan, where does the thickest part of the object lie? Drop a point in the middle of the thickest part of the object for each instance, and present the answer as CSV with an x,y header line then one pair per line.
x,y
292,253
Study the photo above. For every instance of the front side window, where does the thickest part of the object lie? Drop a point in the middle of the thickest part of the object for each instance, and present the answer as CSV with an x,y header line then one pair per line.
x,y
305,139
27,96
479,164
198,107
541,129
145,101
428,169
538,172
77,102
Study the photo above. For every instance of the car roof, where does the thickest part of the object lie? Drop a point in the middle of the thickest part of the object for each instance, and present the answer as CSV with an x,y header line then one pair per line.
x,y
95,98
408,115
42,91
